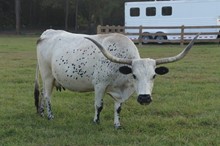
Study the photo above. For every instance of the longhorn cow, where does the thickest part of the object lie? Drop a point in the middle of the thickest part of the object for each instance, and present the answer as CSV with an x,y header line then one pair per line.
x,y
108,63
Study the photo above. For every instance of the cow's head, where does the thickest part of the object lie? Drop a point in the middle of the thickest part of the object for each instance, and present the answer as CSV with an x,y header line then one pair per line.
x,y
144,70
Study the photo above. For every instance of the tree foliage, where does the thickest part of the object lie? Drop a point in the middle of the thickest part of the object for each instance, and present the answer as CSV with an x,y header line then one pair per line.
x,y
7,18
42,14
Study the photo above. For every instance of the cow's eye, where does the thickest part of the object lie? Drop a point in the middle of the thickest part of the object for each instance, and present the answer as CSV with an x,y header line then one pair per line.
x,y
134,76
154,76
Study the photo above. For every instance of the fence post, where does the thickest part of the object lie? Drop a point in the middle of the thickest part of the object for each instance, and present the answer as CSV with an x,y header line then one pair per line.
x,y
118,29
182,35
113,28
140,35
99,29
123,29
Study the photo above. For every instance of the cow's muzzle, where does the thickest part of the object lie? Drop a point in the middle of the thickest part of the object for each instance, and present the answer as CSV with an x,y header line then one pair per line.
x,y
144,99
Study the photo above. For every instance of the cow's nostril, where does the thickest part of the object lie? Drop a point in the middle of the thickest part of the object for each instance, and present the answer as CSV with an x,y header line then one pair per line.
x,y
148,100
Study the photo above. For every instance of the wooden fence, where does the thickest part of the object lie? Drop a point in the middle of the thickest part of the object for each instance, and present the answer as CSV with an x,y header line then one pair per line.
x,y
141,35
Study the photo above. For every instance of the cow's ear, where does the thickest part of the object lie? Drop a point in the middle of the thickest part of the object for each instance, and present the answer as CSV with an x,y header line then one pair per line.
x,y
161,70
125,70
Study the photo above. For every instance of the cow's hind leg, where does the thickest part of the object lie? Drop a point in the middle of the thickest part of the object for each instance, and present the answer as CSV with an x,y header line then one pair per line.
x,y
41,105
48,87
38,95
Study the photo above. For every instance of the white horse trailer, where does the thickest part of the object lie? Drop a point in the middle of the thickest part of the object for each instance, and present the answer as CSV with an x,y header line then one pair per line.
x,y
172,13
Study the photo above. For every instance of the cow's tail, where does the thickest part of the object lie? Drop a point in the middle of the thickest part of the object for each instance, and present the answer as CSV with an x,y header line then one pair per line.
x,y
36,88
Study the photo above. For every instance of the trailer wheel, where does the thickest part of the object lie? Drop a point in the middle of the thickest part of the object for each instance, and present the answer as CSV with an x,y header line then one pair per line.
x,y
160,39
145,39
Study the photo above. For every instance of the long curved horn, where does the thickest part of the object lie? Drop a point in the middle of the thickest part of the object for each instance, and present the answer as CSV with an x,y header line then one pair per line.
x,y
109,55
179,56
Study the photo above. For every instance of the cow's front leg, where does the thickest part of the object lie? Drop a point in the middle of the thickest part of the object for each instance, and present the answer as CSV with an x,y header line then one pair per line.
x,y
98,109
117,115
99,93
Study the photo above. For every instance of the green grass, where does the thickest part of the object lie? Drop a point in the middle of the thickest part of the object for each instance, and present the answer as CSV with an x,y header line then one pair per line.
x,y
185,109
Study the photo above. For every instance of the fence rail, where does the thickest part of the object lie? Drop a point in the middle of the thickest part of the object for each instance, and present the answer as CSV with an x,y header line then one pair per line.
x,y
141,36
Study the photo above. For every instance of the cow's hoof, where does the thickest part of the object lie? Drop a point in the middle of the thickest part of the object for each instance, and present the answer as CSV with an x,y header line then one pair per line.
x,y
118,127
50,117
41,114
96,122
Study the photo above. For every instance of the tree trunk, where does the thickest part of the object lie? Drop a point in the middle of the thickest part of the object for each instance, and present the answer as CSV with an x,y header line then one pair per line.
x,y
76,16
101,19
66,14
17,15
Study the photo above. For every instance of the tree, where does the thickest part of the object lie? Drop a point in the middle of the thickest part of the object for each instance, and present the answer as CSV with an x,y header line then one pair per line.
x,y
66,14
17,15
76,14
100,12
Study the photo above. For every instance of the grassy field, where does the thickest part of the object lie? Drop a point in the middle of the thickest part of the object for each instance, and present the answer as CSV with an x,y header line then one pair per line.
x,y
185,109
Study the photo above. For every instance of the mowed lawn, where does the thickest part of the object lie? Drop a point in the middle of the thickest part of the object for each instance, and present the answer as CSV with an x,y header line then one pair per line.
x,y
185,108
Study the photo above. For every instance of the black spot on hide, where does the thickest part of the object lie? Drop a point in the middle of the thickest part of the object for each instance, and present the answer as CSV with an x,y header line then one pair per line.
x,y
119,109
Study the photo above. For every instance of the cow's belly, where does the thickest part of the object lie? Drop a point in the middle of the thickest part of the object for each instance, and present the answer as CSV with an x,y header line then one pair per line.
x,y
74,81
73,75
79,85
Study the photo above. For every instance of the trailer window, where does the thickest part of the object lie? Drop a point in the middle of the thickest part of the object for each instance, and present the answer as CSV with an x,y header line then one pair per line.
x,y
150,11
134,12
166,11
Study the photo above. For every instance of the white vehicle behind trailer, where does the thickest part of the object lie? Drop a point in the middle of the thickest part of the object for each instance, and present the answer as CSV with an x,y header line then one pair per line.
x,y
172,13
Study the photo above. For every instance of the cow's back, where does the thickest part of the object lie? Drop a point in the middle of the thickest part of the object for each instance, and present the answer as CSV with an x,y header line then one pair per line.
x,y
117,44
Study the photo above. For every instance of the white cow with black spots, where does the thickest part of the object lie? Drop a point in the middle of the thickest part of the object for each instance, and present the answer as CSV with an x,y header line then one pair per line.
x,y
108,63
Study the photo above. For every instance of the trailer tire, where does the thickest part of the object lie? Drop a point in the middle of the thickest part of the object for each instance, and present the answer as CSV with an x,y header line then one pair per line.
x,y
160,39
145,39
